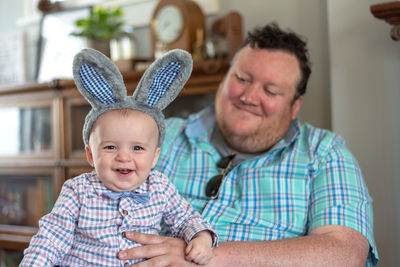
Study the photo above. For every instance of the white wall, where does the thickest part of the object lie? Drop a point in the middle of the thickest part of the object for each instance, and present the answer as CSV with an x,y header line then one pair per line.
x,y
9,12
365,86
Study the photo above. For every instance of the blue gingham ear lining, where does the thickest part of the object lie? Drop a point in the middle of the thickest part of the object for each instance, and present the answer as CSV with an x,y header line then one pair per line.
x,y
162,81
96,84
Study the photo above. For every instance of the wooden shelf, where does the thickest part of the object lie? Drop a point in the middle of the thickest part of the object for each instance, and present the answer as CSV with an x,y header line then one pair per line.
x,y
16,237
206,75
390,12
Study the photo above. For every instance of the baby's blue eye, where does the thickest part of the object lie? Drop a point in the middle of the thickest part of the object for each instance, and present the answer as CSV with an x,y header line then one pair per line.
x,y
137,148
110,147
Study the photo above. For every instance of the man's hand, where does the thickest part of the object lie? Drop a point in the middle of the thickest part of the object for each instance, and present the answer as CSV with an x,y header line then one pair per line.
x,y
159,250
337,245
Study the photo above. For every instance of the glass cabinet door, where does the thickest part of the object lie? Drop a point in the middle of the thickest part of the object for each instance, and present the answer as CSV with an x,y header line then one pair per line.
x,y
77,120
29,130
25,198
27,126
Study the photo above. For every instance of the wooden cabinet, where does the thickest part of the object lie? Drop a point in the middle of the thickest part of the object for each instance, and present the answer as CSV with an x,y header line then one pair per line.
x,y
41,143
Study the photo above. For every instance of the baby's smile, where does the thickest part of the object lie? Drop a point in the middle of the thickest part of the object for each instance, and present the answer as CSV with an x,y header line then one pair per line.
x,y
124,171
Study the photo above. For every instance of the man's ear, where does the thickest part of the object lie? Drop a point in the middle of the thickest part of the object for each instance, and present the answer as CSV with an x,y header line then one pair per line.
x,y
156,155
296,106
89,155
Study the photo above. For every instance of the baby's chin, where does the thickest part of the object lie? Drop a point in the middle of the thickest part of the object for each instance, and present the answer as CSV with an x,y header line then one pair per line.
x,y
122,187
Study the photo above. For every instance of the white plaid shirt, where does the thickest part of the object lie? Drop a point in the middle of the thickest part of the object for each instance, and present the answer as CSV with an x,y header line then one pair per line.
x,y
85,228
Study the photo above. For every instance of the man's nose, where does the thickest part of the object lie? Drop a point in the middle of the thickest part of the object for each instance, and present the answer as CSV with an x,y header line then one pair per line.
x,y
251,94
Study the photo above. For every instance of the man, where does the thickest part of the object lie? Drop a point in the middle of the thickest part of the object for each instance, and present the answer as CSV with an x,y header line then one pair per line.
x,y
287,194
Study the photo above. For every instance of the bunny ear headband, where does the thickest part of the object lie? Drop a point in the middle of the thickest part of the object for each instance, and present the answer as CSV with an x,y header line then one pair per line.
x,y
101,83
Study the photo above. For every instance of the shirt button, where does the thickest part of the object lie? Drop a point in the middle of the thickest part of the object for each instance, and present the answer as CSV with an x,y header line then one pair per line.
x,y
125,212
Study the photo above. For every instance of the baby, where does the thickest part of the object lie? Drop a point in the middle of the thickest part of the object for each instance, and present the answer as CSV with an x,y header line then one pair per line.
x,y
122,137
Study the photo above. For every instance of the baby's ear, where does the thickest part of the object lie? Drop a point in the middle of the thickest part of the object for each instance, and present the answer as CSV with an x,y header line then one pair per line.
x,y
164,79
98,79
89,155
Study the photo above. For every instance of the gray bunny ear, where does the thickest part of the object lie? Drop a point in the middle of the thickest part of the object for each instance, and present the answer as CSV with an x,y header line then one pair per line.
x,y
164,79
98,79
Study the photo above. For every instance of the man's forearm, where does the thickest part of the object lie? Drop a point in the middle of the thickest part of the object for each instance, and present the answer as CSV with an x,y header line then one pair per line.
x,y
346,248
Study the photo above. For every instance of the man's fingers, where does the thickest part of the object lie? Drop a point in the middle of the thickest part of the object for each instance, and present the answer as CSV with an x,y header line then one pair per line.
x,y
158,250
142,252
144,239
154,262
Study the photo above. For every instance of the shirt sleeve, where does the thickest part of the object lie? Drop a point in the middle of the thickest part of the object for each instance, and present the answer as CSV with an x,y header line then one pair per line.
x,y
56,231
339,195
181,219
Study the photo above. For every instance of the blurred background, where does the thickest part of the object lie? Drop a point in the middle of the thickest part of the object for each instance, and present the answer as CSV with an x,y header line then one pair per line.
x,y
354,88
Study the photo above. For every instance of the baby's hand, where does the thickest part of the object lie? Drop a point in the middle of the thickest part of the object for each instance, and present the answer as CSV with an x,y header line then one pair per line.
x,y
199,249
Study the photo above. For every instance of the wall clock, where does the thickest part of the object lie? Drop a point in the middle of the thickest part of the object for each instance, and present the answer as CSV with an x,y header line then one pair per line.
x,y
177,24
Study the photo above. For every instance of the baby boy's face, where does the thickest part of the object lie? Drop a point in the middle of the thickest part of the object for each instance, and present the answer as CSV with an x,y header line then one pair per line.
x,y
123,147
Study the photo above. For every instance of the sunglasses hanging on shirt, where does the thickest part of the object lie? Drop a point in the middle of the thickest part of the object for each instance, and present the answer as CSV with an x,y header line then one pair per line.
x,y
213,186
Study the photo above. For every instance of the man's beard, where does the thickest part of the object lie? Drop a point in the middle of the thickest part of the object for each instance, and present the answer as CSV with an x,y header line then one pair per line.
x,y
251,143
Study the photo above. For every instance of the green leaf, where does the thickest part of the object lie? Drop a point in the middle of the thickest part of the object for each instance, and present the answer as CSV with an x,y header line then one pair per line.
x,y
102,23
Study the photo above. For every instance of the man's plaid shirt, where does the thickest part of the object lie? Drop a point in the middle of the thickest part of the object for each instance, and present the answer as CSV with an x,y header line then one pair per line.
x,y
308,179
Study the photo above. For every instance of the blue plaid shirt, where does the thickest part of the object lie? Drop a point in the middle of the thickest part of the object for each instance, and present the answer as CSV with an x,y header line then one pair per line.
x,y
306,180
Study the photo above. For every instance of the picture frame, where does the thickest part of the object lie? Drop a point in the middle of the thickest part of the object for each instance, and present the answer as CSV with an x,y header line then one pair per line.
x,y
57,47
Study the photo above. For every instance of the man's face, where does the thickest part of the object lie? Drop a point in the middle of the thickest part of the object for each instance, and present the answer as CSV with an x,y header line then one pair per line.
x,y
123,148
254,104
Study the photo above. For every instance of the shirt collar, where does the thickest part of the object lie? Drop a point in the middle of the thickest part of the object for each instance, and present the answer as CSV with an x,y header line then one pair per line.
x,y
201,124
293,131
99,187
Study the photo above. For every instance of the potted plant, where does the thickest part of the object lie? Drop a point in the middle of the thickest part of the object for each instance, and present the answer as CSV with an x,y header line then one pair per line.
x,y
102,25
